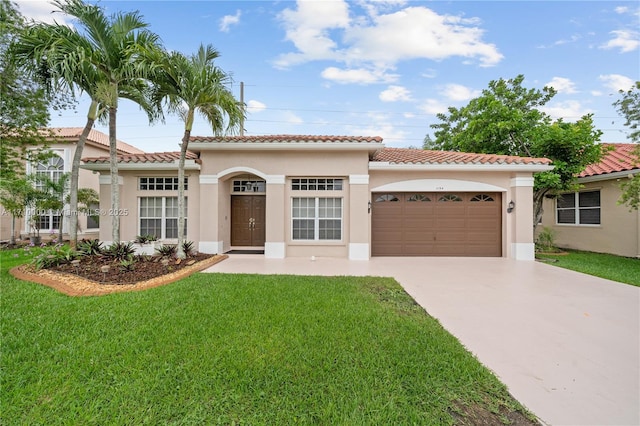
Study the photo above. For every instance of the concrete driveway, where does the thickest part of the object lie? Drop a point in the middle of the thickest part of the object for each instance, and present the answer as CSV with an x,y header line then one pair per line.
x,y
566,344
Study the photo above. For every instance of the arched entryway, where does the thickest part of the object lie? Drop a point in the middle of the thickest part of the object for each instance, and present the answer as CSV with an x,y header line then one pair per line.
x,y
248,208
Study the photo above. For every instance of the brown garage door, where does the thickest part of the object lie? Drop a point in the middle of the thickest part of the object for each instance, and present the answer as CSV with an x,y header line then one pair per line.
x,y
436,224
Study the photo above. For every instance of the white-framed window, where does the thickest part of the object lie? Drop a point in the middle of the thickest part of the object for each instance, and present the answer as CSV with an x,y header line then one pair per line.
x,y
316,218
159,216
249,185
578,208
316,184
52,170
151,183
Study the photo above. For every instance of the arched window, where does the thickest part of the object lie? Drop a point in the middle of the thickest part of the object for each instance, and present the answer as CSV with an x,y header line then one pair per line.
x,y
50,169
482,198
449,197
418,197
386,198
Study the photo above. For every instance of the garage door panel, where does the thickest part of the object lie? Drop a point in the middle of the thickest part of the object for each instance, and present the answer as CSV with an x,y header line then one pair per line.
x,y
451,224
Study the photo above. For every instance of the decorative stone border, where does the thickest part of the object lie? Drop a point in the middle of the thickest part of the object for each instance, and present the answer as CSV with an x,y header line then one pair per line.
x,y
72,285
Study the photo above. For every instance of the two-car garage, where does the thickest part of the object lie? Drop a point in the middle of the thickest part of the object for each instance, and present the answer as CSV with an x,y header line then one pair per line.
x,y
436,224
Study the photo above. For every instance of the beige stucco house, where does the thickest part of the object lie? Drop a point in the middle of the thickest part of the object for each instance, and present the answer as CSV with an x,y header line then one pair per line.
x,y
336,196
63,144
591,219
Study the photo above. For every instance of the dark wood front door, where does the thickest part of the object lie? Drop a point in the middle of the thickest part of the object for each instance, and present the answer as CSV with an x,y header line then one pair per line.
x,y
247,220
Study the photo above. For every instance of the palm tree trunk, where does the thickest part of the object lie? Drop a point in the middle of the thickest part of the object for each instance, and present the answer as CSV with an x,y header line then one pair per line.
x,y
115,187
75,174
181,201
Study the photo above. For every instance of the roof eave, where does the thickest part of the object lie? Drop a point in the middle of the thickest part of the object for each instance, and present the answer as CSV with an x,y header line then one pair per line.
x,y
286,146
160,166
609,176
534,168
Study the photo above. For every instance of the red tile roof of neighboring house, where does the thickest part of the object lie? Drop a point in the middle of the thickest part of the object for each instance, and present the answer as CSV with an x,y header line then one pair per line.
x,y
152,157
619,158
420,156
73,133
286,139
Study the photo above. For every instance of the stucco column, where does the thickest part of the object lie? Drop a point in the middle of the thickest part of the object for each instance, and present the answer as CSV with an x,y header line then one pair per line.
x,y
274,245
520,220
105,206
359,217
209,241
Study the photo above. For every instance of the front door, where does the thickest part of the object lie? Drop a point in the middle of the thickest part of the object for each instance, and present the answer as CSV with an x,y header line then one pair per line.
x,y
247,220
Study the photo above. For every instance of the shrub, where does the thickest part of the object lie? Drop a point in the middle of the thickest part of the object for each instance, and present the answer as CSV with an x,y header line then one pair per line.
x,y
546,240
141,239
90,247
167,250
128,265
51,256
120,251
187,247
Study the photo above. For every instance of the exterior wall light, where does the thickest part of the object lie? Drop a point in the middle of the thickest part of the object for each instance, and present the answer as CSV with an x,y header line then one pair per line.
x,y
511,206
369,207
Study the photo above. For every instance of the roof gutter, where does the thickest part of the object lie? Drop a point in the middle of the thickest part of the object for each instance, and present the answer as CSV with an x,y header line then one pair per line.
x,y
608,176
189,165
286,146
380,165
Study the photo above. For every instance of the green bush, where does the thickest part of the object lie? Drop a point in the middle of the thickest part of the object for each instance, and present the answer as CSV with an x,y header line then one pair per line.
x,y
187,247
167,250
120,251
90,247
546,240
51,256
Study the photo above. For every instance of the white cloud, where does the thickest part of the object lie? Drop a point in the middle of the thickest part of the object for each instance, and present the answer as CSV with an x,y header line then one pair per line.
x,y
255,106
458,92
429,73
228,20
291,118
616,82
621,9
357,76
562,85
567,110
625,40
42,11
433,107
323,30
395,94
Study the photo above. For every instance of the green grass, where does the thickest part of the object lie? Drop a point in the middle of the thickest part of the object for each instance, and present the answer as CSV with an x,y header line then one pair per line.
x,y
616,268
234,349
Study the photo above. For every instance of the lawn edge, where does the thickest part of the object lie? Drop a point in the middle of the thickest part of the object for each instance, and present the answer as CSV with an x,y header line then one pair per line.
x,y
72,285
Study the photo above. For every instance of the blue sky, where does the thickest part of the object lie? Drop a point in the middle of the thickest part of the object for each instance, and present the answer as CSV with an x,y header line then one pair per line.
x,y
385,68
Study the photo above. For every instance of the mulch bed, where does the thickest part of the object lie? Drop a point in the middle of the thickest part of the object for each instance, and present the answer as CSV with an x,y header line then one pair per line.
x,y
87,279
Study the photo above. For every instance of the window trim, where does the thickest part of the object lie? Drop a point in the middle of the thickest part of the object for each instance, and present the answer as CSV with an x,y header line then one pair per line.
x,y
174,183
164,217
576,209
297,183
317,219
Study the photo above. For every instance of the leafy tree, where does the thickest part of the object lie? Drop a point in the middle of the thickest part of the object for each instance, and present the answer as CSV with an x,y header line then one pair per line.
x,y
24,109
506,119
190,85
15,195
100,63
629,107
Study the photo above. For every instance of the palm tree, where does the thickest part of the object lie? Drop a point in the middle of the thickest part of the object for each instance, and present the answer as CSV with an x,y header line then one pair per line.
x,y
100,62
194,84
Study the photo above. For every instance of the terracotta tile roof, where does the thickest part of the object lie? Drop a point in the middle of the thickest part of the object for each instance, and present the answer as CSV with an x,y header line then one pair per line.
x,y
73,133
419,156
287,139
619,158
152,157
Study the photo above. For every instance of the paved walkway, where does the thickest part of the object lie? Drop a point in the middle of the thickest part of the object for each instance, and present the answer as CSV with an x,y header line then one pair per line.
x,y
566,344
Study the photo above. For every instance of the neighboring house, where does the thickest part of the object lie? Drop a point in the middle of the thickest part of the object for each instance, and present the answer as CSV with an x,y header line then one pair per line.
x,y
335,196
591,219
63,144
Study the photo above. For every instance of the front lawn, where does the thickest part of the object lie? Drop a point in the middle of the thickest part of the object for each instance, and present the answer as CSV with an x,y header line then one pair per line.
x,y
237,349
616,268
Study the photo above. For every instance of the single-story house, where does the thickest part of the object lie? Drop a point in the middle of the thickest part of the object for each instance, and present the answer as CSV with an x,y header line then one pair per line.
x,y
63,143
334,196
591,219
